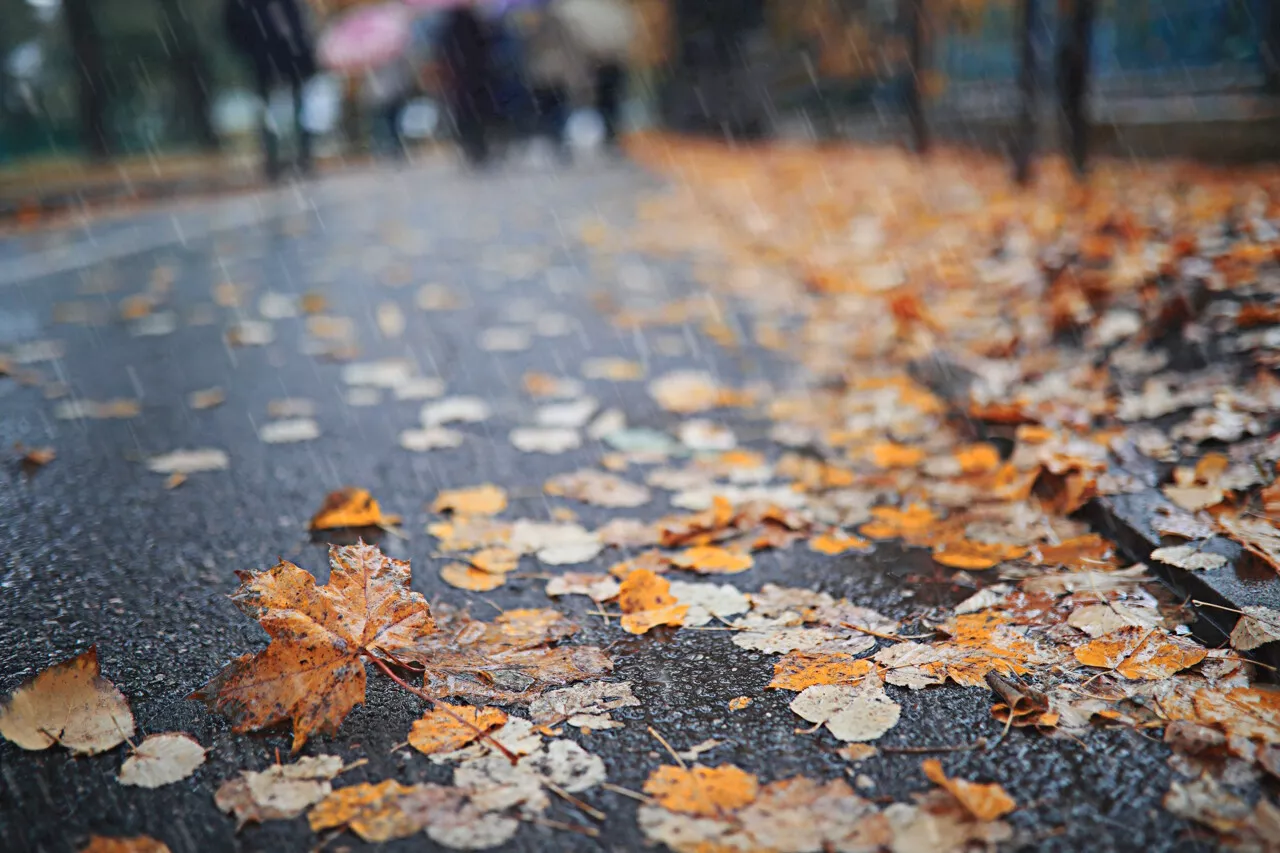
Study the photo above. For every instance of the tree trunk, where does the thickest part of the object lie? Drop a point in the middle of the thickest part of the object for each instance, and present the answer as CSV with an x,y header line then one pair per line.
x,y
1268,18
1025,143
91,76
1073,82
912,12
189,71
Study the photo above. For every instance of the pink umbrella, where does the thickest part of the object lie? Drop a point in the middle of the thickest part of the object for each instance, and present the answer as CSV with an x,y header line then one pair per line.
x,y
366,37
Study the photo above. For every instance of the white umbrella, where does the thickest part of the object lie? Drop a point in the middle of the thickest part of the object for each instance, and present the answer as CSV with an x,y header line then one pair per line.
x,y
604,28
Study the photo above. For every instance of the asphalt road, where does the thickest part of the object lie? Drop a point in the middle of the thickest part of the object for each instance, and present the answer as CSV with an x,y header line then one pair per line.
x,y
93,549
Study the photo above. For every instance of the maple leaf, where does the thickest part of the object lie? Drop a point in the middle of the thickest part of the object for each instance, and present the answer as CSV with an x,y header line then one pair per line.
x,y
312,672
1140,653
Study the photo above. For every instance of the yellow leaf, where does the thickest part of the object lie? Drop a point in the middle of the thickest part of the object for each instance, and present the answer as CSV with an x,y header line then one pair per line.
x,y
1141,654
888,454
986,802
798,670
975,556
710,559
487,499
702,791
350,507
647,602
449,727
462,576
835,542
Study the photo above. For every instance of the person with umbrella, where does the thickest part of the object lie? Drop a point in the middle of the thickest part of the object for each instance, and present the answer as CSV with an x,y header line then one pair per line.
x,y
274,38
605,30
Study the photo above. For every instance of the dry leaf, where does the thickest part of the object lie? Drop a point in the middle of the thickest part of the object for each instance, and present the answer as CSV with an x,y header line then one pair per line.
x,y
738,703
379,813
35,457
1250,712
702,791
449,727
685,391
595,699
975,556
450,410
1190,557
986,802
487,499
598,488
851,713
71,704
349,508
1256,627
708,601
470,578
312,672
162,759
189,461
1139,653
646,602
430,438
551,440
206,398
280,792
1259,536
289,431
597,587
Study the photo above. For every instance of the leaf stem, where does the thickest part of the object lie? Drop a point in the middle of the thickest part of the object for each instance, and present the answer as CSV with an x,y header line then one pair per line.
x,y
440,706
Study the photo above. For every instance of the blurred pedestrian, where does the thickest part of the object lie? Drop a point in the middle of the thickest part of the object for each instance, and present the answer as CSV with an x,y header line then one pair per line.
x,y
387,89
466,70
274,38
604,30
559,74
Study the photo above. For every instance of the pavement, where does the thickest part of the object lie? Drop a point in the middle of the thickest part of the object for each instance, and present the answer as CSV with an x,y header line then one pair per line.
x,y
97,552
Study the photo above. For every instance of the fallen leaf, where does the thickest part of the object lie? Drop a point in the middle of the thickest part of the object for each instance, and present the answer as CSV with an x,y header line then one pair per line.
x,y
281,792
379,813
702,791
189,461
450,410
162,759
709,601
573,414
470,578
554,544
1250,712
291,407
487,499
710,559
598,488
738,703
449,727
1256,627
594,699
430,438
35,457
312,672
685,391
836,542
206,398
856,752
646,602
1190,557
289,431
597,587
174,480
801,670
986,802
1139,653
851,713
1259,536
975,556
73,410
614,369
891,523
350,507
131,844
71,704
550,440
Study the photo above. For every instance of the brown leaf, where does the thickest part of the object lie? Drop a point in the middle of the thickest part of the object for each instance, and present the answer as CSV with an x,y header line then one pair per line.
x,y
487,499
986,802
70,703
351,507
798,670
381,812
312,672
1139,653
449,727
1250,712
162,759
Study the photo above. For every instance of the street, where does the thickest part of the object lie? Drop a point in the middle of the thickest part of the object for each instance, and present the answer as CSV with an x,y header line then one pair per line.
x,y
527,288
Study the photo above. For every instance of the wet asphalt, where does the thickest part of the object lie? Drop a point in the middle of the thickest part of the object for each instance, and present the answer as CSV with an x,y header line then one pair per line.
x,y
93,549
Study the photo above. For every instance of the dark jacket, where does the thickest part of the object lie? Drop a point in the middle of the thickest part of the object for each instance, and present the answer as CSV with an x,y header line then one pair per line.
x,y
464,53
271,33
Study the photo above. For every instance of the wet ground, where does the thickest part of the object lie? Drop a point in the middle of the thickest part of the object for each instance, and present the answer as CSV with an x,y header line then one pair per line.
x,y
96,551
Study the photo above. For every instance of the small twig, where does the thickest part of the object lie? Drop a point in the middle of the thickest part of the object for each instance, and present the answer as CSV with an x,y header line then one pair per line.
x,y
674,754
589,831
440,706
586,809
894,637
980,743
626,792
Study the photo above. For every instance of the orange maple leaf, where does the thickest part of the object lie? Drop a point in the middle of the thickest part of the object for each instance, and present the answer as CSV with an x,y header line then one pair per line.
x,y
311,673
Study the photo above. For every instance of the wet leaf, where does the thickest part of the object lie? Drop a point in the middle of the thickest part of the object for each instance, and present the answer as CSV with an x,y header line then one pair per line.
x,y
595,699
597,587
986,802
280,792
1139,653
379,813
975,556
550,440
289,431
440,729
703,791
598,488
801,670
207,398
836,542
189,461
162,759
132,844
312,673
1250,712
71,704
350,507
470,578
1189,557
851,713
647,602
